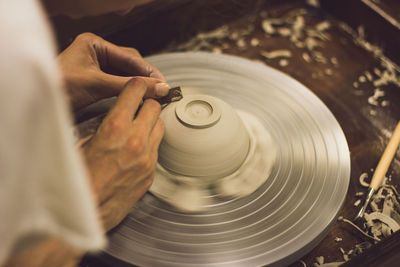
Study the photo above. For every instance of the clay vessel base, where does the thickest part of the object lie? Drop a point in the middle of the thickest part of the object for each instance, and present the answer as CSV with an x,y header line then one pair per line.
x,y
194,194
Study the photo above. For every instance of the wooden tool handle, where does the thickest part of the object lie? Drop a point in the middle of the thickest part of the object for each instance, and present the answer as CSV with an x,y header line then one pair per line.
x,y
386,159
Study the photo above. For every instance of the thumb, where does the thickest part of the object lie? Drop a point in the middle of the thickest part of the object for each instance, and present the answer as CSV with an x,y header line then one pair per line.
x,y
156,88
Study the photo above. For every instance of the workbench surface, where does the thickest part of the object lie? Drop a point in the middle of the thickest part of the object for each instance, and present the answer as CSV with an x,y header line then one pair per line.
x,y
338,69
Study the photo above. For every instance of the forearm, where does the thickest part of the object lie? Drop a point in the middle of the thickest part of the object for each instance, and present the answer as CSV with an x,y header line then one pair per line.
x,y
50,252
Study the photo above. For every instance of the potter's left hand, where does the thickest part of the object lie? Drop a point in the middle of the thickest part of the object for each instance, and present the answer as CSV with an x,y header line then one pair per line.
x,y
93,69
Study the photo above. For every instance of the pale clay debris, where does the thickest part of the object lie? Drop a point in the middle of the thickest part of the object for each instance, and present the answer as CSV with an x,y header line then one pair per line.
x,y
369,76
334,61
359,194
241,43
338,239
385,228
362,79
359,248
346,257
385,103
258,61
388,76
226,46
373,100
302,36
323,26
267,27
331,264
299,44
297,27
320,35
276,53
390,72
313,3
328,72
382,221
217,50
359,229
254,42
234,36
357,203
384,218
202,40
320,260
283,62
319,57
362,178
213,40
306,57
311,43
284,32
220,32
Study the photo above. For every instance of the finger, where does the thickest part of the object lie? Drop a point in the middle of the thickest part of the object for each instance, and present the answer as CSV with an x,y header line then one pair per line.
x,y
127,60
147,117
138,64
129,100
155,87
157,135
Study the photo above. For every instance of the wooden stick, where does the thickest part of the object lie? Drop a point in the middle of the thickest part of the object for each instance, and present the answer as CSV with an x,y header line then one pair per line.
x,y
386,159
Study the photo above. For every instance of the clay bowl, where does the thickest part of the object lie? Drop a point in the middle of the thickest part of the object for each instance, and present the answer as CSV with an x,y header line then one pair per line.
x,y
204,138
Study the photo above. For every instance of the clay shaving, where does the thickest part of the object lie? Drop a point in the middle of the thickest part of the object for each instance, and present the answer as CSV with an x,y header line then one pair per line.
x,y
292,25
304,35
386,75
382,217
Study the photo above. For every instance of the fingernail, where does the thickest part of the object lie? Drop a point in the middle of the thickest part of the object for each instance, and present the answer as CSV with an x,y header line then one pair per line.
x,y
162,89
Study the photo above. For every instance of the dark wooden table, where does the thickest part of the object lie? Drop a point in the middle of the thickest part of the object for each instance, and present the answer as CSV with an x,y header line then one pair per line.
x,y
337,81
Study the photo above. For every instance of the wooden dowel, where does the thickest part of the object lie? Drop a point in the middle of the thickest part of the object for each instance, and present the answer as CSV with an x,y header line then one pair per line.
x,y
386,159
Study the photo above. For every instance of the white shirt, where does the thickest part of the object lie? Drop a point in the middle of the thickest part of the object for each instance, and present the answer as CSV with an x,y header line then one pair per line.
x,y
44,190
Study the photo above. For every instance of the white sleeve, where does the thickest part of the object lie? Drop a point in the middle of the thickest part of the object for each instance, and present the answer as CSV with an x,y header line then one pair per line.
x,y
44,190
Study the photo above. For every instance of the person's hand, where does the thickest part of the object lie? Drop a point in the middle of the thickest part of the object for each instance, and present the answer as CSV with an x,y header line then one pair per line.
x,y
122,155
93,69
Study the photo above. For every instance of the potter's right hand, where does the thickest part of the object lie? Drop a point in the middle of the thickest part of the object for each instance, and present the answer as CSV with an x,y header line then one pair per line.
x,y
122,155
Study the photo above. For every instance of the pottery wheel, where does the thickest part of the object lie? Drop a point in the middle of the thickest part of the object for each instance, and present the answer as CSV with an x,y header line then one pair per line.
x,y
281,221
